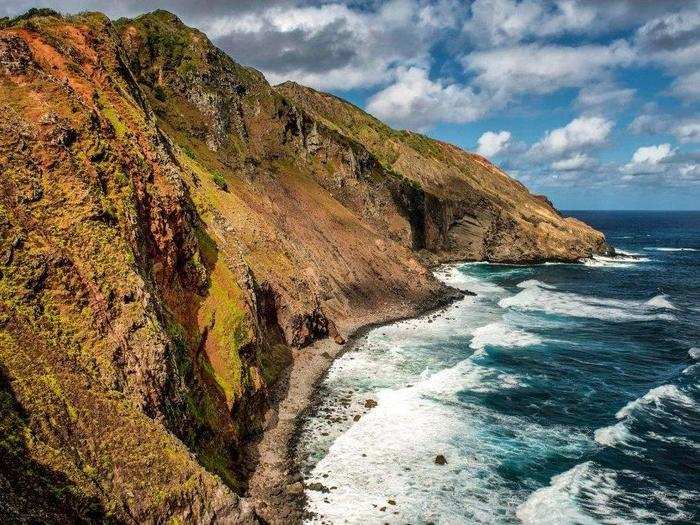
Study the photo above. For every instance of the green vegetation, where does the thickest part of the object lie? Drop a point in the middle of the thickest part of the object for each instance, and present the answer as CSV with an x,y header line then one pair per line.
x,y
219,180
159,93
34,12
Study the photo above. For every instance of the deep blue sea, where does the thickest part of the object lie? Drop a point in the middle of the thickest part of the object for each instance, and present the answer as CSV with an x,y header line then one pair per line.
x,y
560,393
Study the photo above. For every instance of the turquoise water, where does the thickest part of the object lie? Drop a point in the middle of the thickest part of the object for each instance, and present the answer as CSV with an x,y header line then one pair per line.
x,y
561,393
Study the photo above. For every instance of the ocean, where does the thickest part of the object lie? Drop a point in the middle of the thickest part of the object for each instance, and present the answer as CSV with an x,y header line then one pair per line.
x,y
560,393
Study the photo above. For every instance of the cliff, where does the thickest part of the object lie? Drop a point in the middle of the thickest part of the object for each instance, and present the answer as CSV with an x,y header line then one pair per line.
x,y
171,228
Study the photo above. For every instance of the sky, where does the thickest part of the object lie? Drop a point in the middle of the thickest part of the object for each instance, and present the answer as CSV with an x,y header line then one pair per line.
x,y
594,103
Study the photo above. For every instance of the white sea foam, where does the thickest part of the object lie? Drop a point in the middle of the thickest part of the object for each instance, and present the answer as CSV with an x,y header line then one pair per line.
x,y
671,249
590,494
694,353
660,301
655,397
389,454
534,282
623,261
451,275
557,503
617,434
575,305
500,334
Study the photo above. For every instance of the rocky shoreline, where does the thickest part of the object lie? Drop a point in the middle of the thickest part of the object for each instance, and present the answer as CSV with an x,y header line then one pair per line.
x,y
275,486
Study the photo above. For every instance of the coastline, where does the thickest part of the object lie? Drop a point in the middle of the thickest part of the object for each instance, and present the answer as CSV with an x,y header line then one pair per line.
x,y
275,485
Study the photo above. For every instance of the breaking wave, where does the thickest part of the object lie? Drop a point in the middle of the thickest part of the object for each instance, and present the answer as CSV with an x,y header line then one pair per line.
x,y
500,334
537,298
588,494
671,249
655,398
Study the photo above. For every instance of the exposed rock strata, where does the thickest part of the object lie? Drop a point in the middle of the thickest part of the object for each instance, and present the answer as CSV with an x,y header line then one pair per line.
x,y
172,229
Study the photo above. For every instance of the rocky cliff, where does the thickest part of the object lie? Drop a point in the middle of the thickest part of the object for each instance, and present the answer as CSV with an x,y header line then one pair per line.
x,y
171,226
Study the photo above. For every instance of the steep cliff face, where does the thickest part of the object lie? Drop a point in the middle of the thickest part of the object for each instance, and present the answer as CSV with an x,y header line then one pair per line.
x,y
469,209
170,227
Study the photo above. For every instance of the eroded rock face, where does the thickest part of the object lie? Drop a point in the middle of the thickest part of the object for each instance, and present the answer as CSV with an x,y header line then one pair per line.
x,y
464,207
171,227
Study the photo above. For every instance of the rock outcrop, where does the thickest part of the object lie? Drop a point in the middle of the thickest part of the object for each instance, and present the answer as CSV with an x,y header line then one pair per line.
x,y
170,227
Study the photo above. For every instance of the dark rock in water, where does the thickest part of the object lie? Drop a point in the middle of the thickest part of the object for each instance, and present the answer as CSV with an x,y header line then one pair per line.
x,y
391,502
318,487
469,293
440,460
370,403
356,417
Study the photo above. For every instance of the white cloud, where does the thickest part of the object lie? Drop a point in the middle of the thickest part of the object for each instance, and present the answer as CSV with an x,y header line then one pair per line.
x,y
536,68
491,143
687,131
672,39
416,102
335,45
687,87
649,124
652,154
507,22
648,159
580,134
604,96
576,162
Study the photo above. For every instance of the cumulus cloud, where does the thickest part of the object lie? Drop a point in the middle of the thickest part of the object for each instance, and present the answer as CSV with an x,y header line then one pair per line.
x,y
536,68
687,87
576,162
492,143
580,134
648,159
332,45
605,96
672,42
687,130
415,101
671,39
654,122
507,22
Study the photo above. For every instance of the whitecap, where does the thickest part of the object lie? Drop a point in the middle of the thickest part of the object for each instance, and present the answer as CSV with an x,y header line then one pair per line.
x,y
694,353
557,503
660,301
451,275
502,335
617,434
575,305
620,261
654,397
534,282
672,249
590,494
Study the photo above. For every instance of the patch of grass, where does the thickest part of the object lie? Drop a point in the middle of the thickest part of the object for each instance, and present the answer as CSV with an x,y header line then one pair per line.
x,y
188,151
219,180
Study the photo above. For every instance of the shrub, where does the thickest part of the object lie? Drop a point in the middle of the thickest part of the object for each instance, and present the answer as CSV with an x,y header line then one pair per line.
x,y
159,93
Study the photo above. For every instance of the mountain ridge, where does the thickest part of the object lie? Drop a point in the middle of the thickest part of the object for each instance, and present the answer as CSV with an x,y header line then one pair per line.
x,y
175,232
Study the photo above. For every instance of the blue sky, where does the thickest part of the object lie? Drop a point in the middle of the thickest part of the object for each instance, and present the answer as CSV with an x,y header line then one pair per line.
x,y
595,104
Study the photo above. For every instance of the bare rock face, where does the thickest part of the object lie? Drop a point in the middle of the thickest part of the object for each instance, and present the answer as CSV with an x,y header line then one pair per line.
x,y
462,207
171,227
